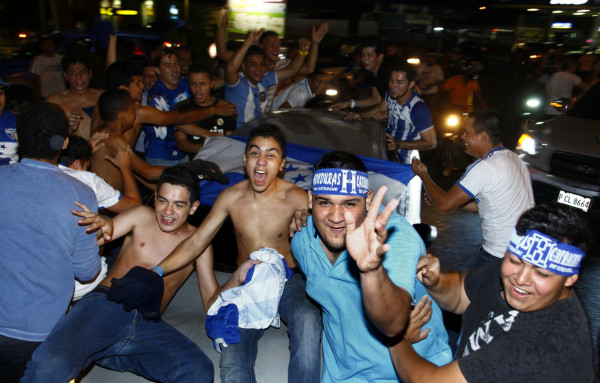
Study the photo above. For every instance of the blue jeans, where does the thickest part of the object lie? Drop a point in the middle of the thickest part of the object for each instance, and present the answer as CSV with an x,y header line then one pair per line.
x,y
480,258
14,355
98,330
303,319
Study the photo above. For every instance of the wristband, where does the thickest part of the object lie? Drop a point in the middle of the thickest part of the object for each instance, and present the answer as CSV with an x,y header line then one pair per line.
x,y
352,104
158,270
302,53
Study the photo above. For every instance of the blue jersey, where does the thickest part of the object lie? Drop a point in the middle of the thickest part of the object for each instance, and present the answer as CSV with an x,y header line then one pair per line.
x,y
248,98
8,143
159,141
406,121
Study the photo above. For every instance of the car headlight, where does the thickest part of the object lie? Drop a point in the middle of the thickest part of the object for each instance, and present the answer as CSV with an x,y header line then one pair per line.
x,y
533,103
453,120
529,145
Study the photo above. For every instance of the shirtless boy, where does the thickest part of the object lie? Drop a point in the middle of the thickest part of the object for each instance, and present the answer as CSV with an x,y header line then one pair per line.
x,y
261,209
100,330
78,101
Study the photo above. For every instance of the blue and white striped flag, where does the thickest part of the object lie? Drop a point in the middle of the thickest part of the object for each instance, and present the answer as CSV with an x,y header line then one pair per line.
x,y
227,153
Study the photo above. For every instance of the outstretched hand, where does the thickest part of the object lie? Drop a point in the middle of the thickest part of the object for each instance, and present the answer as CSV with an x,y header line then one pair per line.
x,y
122,159
366,242
94,222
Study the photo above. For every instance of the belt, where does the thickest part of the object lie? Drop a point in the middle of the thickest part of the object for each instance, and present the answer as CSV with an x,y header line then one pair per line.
x,y
101,289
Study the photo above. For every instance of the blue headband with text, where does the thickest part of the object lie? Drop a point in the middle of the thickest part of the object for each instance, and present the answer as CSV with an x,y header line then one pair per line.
x,y
546,252
340,182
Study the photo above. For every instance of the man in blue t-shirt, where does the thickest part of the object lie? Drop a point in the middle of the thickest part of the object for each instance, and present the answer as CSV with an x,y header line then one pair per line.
x,y
360,264
159,143
8,143
43,247
248,89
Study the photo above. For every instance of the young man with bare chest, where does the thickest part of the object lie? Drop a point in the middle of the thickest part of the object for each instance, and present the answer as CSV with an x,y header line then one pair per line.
x,y
102,332
261,209
78,101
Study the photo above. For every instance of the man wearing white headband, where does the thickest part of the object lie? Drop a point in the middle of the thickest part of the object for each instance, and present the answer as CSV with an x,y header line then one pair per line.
x,y
522,321
360,263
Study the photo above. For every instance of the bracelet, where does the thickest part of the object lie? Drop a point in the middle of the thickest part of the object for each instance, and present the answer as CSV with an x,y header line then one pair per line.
x,y
158,270
352,104
302,53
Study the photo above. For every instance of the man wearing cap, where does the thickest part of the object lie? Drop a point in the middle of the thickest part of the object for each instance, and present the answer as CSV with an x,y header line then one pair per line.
x,y
522,321
360,263
8,143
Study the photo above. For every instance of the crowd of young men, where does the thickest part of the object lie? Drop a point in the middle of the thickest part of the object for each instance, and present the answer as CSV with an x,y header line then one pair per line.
x,y
354,270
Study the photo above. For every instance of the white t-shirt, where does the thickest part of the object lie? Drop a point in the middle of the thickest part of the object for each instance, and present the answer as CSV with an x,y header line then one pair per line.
x,y
561,85
501,186
107,196
297,95
51,72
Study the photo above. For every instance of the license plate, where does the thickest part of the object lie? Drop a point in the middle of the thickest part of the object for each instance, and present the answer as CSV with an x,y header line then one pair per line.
x,y
574,200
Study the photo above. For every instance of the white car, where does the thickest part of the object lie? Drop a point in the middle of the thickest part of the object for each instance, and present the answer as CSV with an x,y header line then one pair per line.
x,y
563,156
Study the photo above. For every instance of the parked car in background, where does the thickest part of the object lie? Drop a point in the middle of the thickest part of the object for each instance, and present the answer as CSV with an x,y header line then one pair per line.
x,y
563,156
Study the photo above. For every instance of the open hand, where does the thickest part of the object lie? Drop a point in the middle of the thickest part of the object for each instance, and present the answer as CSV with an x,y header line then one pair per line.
x,y
94,222
419,316
366,243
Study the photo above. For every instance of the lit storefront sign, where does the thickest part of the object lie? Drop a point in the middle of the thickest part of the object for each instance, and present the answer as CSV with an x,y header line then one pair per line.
x,y
255,14
562,25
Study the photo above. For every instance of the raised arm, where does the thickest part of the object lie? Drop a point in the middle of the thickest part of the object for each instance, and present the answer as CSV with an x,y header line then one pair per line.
x,y
377,112
235,61
313,54
386,305
222,52
445,201
296,64
372,100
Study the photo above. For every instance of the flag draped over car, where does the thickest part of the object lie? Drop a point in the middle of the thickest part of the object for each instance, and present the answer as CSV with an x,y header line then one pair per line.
x,y
227,153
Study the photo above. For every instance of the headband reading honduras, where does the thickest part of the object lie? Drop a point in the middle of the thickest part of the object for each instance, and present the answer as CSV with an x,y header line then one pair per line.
x,y
340,182
546,252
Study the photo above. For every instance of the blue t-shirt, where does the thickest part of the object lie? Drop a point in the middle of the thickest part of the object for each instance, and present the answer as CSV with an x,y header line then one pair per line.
x,y
406,121
353,350
159,141
8,143
43,247
248,98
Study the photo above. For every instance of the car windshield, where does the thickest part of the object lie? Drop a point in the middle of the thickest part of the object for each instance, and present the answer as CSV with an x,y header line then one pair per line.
x,y
588,105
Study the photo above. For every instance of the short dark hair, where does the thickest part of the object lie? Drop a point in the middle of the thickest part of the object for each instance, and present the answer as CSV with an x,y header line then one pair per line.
x,y
266,34
558,221
374,42
411,73
489,121
198,68
166,51
112,102
41,128
340,160
73,58
268,131
181,176
120,73
78,149
254,50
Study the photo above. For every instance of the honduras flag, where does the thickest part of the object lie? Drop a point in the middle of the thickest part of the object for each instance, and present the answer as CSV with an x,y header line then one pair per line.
x,y
227,151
